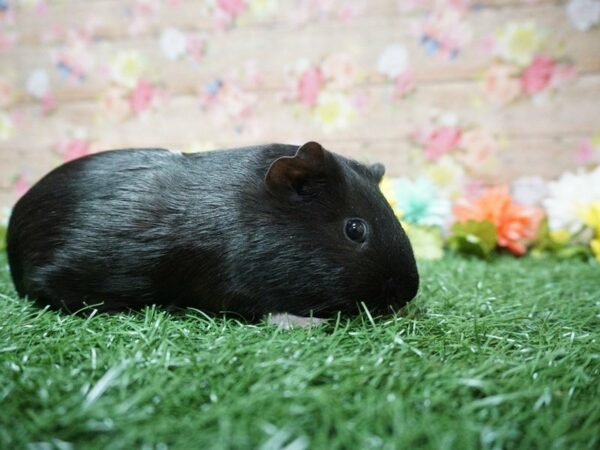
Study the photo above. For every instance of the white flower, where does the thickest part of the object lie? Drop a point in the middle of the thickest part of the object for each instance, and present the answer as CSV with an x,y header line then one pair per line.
x,y
529,191
393,61
38,83
568,196
126,68
173,43
518,42
584,14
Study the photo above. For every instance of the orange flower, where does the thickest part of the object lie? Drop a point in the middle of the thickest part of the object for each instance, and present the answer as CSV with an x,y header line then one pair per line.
x,y
515,224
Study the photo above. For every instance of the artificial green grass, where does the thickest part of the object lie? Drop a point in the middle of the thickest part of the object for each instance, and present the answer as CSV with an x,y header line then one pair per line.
x,y
501,354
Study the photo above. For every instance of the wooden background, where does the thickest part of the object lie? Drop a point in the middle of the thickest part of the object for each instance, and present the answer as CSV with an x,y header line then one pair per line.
x,y
255,56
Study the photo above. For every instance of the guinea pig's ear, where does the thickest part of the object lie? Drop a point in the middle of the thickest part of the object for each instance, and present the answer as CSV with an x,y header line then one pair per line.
x,y
378,171
301,175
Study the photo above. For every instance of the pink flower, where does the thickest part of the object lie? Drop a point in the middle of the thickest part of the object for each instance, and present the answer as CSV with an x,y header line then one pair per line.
x,y
405,83
538,75
309,85
585,153
441,141
75,148
233,8
141,97
500,85
21,186
48,103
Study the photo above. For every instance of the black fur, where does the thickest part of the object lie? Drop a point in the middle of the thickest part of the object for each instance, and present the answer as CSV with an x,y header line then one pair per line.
x,y
248,231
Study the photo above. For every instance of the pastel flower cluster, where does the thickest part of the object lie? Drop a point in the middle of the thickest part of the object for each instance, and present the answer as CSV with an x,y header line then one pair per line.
x,y
229,12
444,139
524,64
566,222
584,14
322,88
393,62
131,92
445,31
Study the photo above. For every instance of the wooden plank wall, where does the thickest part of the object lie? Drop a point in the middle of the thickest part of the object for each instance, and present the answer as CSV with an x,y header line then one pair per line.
x,y
254,58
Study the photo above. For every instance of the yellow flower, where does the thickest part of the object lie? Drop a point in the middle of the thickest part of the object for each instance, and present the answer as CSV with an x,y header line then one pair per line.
x,y
126,68
448,175
560,236
596,140
388,192
6,126
518,42
591,216
334,110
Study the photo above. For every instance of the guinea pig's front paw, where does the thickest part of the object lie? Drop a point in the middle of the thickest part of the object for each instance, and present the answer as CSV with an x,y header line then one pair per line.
x,y
287,321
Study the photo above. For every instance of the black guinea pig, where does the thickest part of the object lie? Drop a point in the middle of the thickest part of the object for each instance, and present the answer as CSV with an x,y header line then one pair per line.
x,y
249,231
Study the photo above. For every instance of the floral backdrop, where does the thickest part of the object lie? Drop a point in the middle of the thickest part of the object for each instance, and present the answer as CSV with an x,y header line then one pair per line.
x,y
486,113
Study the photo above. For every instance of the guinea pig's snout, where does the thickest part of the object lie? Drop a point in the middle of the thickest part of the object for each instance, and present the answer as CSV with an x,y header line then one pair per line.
x,y
398,292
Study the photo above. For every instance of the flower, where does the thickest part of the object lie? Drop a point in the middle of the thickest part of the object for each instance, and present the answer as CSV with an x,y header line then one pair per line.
x,y
334,110
21,185
515,225
420,202
517,42
404,84
538,74
173,43
114,103
231,8
427,244
38,84
568,195
309,85
445,30
500,84
448,174
584,14
339,70
6,126
75,148
440,141
529,190
393,61
387,189
591,218
479,147
589,150
141,97
126,68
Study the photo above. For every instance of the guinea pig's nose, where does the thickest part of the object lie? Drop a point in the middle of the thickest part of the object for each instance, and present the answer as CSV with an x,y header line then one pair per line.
x,y
394,291
390,288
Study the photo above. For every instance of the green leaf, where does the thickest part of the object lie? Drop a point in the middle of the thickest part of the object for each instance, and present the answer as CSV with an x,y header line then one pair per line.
x,y
473,237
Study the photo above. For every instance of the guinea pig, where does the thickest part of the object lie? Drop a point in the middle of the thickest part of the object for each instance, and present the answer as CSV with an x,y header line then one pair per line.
x,y
251,231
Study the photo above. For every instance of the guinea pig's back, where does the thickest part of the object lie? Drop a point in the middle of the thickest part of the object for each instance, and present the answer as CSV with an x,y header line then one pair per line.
x,y
97,225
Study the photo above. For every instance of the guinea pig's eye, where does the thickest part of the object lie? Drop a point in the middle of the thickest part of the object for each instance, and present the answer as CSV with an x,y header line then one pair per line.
x,y
356,230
